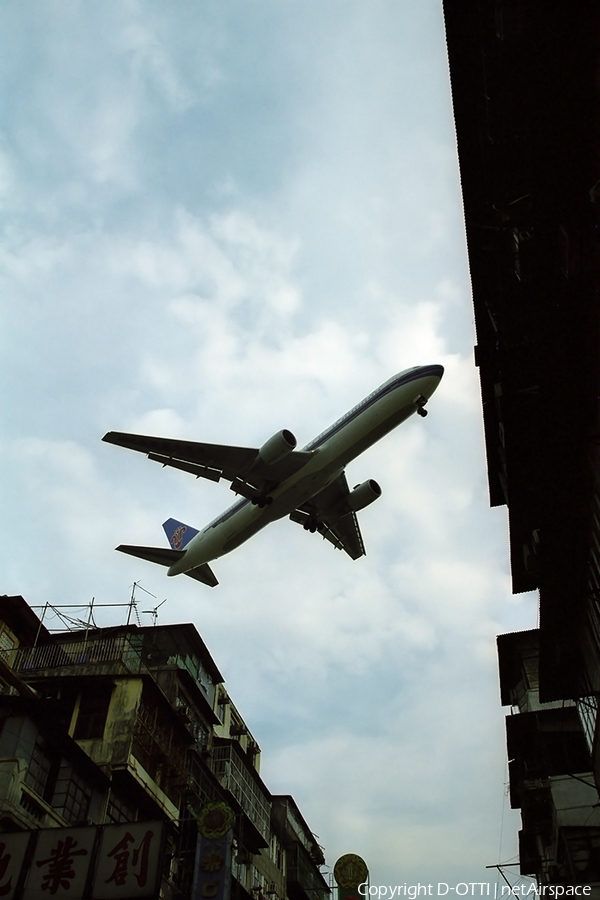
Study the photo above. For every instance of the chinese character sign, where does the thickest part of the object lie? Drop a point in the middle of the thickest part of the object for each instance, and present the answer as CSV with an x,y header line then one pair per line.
x,y
60,864
129,861
12,852
212,874
350,871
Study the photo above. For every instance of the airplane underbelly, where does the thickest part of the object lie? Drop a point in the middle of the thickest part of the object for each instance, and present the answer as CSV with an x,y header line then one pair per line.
x,y
381,426
357,439
230,534
284,502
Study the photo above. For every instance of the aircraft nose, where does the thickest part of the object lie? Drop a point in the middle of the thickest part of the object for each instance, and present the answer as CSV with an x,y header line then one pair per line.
x,y
431,377
434,371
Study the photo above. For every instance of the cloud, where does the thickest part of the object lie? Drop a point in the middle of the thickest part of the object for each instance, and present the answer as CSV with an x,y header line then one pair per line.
x,y
227,220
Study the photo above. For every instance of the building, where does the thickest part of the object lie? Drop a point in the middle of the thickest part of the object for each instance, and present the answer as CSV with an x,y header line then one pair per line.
x,y
526,98
133,724
550,772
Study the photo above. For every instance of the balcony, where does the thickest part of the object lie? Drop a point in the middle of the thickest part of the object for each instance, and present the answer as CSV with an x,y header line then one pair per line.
x,y
20,804
304,880
234,775
95,657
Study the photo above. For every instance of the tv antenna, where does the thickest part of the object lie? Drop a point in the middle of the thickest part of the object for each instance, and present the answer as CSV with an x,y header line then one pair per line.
x,y
133,602
154,612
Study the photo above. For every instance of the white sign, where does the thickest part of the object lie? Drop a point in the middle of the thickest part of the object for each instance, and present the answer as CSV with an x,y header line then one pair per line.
x,y
129,861
60,864
12,851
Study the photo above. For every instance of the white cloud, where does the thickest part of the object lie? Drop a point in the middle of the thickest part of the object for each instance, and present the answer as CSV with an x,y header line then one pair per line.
x,y
221,230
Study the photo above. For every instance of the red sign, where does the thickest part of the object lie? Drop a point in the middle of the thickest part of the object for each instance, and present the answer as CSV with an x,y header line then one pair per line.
x,y
129,861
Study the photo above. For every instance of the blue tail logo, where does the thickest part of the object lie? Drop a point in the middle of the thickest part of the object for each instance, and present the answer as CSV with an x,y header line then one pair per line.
x,y
179,535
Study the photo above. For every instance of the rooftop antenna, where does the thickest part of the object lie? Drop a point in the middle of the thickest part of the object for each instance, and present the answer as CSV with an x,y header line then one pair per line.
x,y
74,622
37,634
133,601
154,612
90,620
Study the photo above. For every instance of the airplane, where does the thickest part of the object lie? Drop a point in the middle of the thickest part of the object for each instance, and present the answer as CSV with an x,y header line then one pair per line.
x,y
275,481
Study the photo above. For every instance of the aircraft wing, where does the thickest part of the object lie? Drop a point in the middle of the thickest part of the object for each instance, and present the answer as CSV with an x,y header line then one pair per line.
x,y
335,521
212,461
345,535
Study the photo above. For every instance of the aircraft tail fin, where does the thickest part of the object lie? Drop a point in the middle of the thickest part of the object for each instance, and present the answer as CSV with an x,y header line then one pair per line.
x,y
178,534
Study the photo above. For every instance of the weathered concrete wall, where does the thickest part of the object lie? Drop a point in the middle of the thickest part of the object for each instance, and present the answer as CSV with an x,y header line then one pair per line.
x,y
115,747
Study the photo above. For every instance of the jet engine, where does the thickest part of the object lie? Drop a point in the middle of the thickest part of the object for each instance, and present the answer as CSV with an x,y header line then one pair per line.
x,y
276,448
363,494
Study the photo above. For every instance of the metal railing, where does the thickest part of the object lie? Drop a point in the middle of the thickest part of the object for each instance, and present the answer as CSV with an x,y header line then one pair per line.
x,y
236,778
587,707
74,653
301,870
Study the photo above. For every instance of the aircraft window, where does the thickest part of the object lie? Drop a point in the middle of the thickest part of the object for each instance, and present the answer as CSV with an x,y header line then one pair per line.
x,y
378,392
228,512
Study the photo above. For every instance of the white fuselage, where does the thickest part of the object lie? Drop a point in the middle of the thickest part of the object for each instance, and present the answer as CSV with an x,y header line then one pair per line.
x,y
380,412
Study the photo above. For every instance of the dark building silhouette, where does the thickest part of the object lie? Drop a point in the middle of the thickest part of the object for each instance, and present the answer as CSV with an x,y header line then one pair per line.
x,y
525,80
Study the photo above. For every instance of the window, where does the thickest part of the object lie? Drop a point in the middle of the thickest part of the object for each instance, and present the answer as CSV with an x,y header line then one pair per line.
x,y
40,767
7,641
222,706
72,797
118,811
93,712
587,707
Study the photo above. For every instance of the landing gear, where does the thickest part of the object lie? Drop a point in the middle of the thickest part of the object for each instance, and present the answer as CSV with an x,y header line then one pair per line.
x,y
421,401
260,499
311,525
261,502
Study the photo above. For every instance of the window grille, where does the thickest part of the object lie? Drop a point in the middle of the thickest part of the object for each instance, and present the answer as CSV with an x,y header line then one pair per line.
x,y
39,769
72,797
235,777
587,707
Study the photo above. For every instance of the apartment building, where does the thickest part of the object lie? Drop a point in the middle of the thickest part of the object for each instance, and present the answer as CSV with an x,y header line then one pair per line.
x,y
526,98
549,747
103,728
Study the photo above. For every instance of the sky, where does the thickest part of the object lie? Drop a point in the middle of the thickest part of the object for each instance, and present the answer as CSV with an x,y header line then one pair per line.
x,y
222,218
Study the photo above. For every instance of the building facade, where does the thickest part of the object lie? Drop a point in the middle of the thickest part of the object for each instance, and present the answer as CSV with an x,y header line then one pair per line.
x,y
125,725
526,97
549,747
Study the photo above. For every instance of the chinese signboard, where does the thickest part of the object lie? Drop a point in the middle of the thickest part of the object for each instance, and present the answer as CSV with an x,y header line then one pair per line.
x,y
60,863
129,861
350,871
212,875
12,852
91,863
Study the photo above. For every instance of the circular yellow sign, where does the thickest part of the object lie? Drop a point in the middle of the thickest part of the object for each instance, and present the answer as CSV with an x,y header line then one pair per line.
x,y
350,870
215,820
